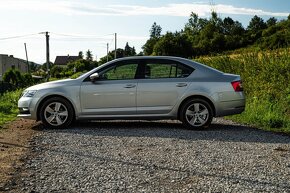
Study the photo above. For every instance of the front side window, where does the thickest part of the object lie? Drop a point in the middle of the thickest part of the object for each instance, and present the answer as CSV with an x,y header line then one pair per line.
x,y
166,69
120,72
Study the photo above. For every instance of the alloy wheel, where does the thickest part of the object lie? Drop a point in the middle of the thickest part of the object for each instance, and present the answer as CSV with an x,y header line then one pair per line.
x,y
197,114
56,113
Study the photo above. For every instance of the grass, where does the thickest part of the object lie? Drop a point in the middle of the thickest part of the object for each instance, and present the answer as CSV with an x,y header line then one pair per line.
x,y
8,106
265,78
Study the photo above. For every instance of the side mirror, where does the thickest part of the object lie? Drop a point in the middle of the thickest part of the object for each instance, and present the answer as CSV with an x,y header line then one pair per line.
x,y
94,76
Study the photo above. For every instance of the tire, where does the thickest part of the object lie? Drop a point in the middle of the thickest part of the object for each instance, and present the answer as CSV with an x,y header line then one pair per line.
x,y
196,114
56,113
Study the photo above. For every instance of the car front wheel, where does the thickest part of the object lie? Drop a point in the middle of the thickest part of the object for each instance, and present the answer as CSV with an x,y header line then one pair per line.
x,y
56,112
196,114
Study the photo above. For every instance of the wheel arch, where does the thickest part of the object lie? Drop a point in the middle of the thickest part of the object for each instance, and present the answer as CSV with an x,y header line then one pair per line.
x,y
196,97
52,96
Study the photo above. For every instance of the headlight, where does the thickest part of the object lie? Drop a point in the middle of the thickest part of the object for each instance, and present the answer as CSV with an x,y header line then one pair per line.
x,y
29,93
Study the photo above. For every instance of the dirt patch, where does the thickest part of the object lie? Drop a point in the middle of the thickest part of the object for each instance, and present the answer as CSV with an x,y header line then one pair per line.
x,y
14,144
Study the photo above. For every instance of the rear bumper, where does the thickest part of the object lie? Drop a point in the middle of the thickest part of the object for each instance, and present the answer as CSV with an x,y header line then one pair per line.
x,y
231,107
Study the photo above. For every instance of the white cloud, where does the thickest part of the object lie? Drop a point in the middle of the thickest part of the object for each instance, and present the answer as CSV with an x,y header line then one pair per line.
x,y
177,9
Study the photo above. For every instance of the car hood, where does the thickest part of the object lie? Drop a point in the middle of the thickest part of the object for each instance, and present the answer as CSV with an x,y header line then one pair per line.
x,y
53,84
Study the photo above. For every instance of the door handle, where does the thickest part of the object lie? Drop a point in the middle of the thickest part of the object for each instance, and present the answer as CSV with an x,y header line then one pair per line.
x,y
181,84
130,86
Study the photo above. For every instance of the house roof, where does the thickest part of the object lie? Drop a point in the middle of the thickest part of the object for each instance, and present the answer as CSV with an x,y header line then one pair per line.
x,y
63,60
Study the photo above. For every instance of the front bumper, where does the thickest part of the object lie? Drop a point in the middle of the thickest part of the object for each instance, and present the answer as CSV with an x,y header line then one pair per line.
x,y
27,108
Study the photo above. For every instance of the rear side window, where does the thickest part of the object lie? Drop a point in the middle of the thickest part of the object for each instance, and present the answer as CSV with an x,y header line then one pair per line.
x,y
166,69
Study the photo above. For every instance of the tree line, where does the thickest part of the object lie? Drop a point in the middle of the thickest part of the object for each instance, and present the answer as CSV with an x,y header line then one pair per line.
x,y
202,36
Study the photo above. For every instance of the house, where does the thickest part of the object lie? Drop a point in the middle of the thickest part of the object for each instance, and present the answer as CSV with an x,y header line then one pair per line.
x,y
8,61
64,60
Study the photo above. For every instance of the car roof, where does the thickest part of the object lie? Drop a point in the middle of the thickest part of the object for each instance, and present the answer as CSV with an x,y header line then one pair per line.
x,y
150,57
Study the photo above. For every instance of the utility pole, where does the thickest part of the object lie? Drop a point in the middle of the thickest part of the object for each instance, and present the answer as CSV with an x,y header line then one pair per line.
x,y
107,52
26,57
47,55
115,45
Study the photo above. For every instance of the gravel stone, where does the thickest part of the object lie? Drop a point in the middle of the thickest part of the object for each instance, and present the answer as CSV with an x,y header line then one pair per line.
x,y
157,156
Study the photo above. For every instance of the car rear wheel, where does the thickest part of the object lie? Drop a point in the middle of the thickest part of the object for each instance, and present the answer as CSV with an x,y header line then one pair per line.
x,y
196,114
56,112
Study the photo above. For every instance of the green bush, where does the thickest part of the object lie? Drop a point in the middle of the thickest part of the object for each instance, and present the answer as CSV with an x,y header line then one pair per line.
x,y
15,77
8,106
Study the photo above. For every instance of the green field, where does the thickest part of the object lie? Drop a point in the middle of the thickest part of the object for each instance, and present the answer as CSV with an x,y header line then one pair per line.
x,y
8,106
266,81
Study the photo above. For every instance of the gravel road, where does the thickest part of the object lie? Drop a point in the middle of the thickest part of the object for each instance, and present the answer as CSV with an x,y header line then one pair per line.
x,y
162,156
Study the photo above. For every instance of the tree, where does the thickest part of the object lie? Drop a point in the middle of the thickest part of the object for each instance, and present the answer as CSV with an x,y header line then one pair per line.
x,y
271,21
10,77
81,55
276,36
56,71
89,55
149,45
155,34
233,32
133,51
111,56
155,31
28,80
216,21
255,29
129,51
15,77
193,24
33,67
173,44
256,24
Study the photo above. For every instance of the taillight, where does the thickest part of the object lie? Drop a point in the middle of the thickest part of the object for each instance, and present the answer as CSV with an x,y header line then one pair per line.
x,y
237,85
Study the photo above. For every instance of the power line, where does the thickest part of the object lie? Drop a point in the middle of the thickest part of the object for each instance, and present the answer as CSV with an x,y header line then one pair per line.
x,y
83,36
102,37
80,39
20,36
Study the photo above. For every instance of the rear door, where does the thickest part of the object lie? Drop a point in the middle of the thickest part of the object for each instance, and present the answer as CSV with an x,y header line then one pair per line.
x,y
163,83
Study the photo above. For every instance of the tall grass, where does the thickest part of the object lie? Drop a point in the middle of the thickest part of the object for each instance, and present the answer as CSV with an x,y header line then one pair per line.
x,y
8,106
266,81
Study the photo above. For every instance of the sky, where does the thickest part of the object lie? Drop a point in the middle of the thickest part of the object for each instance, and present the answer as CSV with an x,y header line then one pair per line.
x,y
81,25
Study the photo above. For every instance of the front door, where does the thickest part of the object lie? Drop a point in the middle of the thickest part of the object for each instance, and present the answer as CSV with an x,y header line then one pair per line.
x,y
114,93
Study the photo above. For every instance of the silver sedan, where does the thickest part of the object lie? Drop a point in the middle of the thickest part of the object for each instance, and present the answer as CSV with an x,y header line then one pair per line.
x,y
149,88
